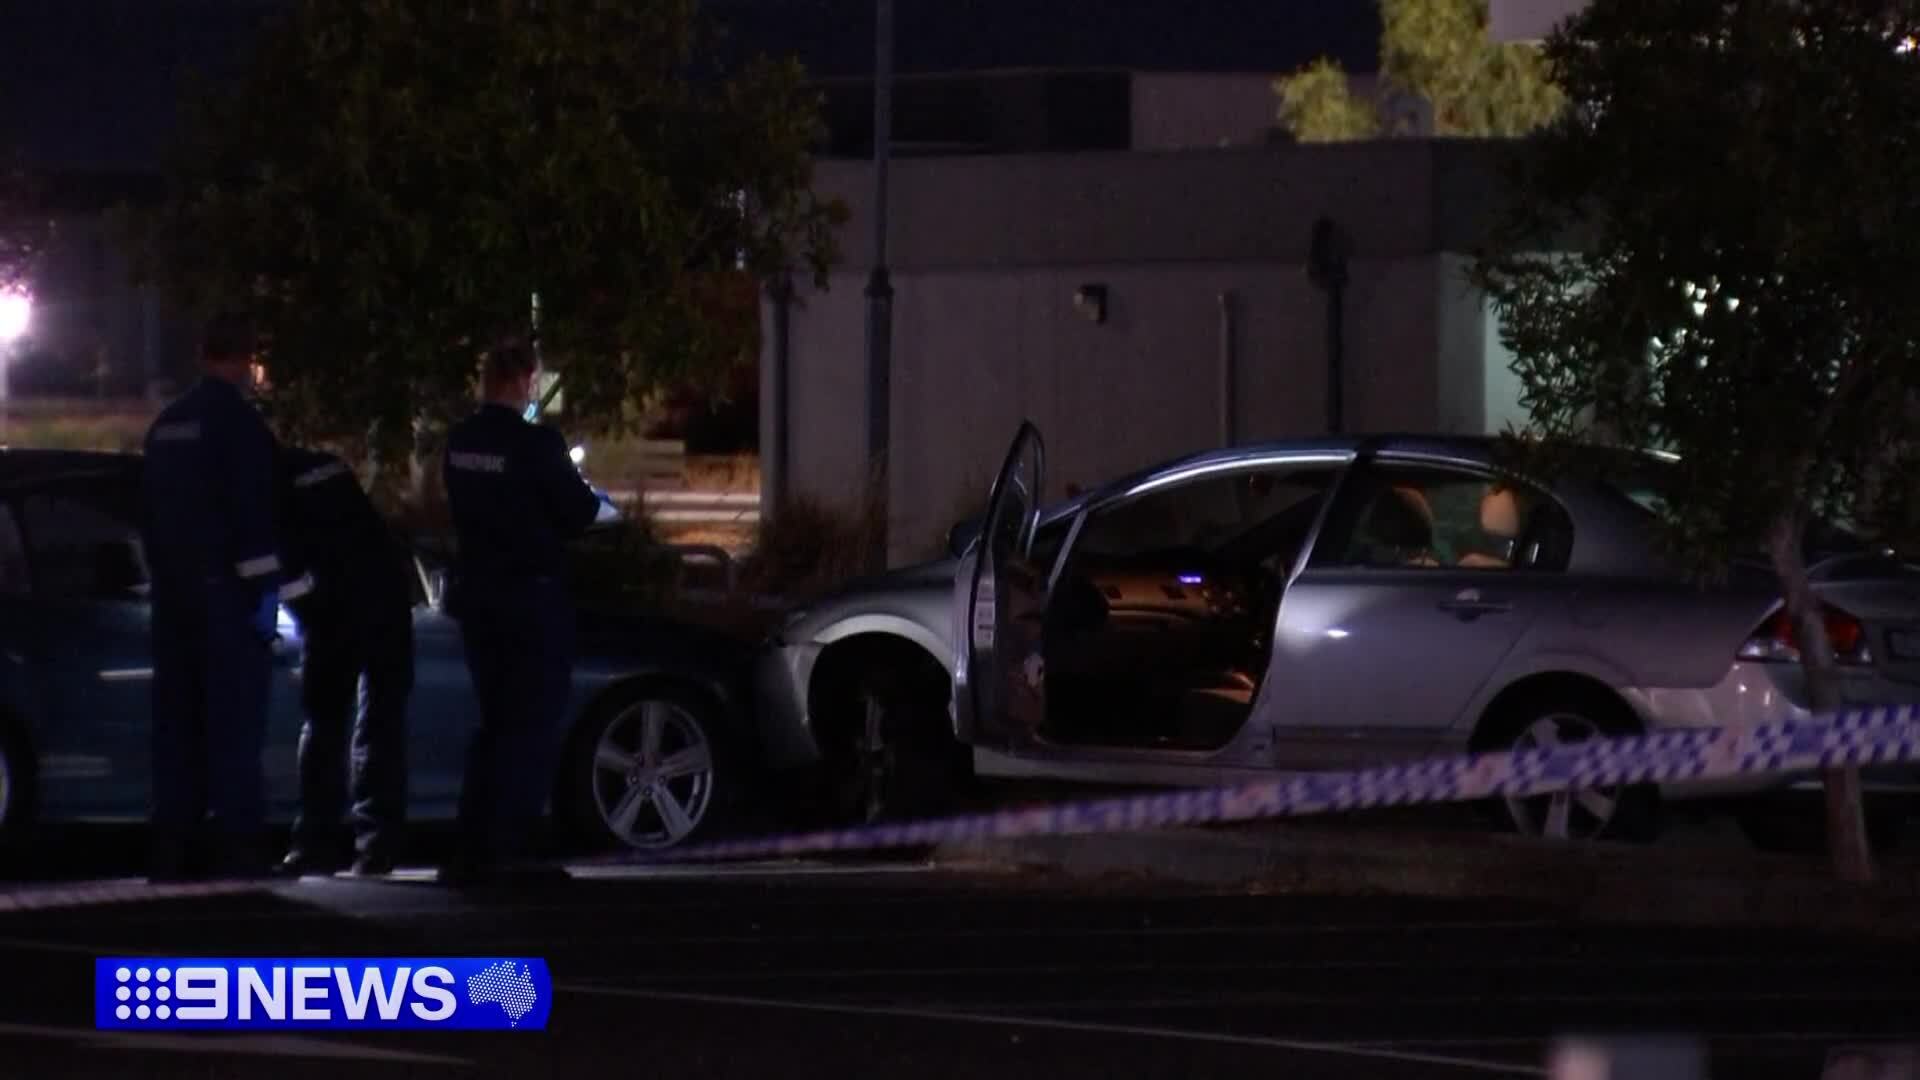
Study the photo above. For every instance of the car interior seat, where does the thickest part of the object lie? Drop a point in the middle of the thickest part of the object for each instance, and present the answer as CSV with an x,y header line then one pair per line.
x,y
1397,530
1500,528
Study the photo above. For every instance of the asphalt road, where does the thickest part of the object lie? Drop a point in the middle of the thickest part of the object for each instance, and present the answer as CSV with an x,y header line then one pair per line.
x,y
845,970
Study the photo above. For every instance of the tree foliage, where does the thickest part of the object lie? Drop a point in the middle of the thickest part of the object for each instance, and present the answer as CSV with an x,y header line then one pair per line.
x,y
392,182
1317,104
1733,194
25,227
1437,52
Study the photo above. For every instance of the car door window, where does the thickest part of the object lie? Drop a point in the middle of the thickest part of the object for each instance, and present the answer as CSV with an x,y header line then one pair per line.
x,y
1209,513
1160,622
83,545
1403,516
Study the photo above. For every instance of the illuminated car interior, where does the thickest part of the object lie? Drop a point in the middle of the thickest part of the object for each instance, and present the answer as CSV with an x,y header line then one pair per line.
x,y
1161,622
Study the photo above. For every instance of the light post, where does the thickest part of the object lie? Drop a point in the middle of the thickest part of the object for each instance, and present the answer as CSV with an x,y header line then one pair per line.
x,y
1327,257
879,286
16,315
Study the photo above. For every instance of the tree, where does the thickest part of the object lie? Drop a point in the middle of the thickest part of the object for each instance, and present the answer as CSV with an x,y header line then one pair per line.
x,y
1317,104
25,227
1739,184
393,182
1437,52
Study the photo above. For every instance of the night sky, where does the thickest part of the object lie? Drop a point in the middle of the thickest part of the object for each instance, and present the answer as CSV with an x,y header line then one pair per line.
x,y
89,85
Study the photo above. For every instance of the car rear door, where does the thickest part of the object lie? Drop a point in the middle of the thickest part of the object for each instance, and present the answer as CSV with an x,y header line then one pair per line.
x,y
90,646
444,710
1422,581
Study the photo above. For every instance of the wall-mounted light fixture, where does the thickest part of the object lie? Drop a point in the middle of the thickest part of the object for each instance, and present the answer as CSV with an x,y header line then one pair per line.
x,y
1091,302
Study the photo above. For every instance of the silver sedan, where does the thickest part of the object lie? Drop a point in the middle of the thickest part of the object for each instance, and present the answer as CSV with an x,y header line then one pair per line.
x,y
1304,606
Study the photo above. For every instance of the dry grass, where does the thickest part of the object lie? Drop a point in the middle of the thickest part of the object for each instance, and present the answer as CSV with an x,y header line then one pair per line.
x,y
624,465
809,545
735,540
735,473
113,426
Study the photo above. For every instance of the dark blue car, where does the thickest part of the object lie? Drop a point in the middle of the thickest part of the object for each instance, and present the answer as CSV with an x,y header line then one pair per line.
x,y
655,729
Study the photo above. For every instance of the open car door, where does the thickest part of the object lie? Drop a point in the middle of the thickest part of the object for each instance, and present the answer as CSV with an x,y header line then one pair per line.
x,y
999,599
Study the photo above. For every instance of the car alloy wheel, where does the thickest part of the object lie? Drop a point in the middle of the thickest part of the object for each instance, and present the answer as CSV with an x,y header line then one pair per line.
x,y
653,777
1563,815
897,761
876,764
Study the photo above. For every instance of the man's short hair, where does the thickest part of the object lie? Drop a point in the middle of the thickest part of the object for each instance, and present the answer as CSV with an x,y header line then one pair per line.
x,y
229,336
509,359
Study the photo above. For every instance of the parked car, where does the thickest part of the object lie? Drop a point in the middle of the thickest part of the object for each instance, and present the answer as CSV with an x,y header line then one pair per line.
x,y
657,725
1311,605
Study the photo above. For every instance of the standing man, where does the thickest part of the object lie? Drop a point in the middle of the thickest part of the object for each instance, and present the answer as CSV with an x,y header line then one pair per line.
x,y
516,499
208,497
357,622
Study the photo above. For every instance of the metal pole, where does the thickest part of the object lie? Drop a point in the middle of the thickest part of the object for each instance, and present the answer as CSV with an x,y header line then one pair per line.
x,y
1327,269
776,378
879,287
1336,357
1229,377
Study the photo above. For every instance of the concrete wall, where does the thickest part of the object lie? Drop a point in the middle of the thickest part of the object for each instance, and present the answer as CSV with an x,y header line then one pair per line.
x,y
1201,111
987,254
1528,20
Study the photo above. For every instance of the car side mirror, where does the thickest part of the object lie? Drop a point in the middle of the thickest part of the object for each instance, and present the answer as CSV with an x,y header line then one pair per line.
x,y
117,570
962,536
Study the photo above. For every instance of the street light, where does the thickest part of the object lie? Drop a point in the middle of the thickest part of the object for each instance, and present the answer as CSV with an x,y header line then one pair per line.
x,y
16,313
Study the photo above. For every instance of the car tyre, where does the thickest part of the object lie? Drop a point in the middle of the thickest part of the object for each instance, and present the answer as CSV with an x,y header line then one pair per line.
x,y
650,768
18,791
899,759
1621,813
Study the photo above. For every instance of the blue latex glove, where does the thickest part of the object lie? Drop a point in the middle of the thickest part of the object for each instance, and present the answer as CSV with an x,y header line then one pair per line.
x,y
609,511
266,615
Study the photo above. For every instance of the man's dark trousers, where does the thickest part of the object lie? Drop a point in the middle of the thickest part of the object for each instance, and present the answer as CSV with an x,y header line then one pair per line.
x,y
518,638
212,674
370,718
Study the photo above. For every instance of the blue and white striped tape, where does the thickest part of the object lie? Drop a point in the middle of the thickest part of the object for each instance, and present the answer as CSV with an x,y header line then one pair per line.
x,y
1854,737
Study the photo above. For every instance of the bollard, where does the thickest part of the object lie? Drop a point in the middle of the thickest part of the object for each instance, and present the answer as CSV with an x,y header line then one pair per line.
x,y
1627,1059
1873,1063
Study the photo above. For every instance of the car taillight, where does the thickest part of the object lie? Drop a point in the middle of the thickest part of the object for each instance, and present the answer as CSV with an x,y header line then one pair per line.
x,y
1776,641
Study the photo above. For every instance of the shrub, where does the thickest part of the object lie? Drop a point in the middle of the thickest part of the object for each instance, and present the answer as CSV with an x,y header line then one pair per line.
x,y
808,545
624,568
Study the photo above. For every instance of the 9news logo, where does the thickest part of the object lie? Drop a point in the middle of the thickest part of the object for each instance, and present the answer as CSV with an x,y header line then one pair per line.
x,y
463,993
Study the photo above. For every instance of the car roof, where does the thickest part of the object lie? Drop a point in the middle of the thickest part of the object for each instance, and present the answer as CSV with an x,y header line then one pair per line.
x,y
31,467
1466,449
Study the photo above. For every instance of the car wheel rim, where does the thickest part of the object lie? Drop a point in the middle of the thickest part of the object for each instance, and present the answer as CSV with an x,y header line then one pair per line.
x,y
653,775
1563,815
873,762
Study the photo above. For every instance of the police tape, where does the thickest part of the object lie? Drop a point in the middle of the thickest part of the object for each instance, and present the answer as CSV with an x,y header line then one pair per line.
x,y
1853,737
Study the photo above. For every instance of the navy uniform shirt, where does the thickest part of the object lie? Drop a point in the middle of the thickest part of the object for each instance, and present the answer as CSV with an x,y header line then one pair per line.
x,y
334,535
516,498
209,494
